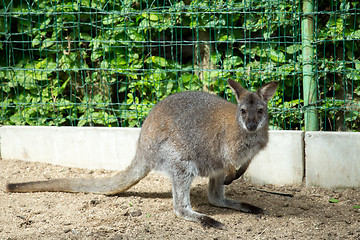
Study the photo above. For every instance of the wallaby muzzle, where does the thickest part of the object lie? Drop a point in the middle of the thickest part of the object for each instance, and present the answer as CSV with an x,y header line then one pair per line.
x,y
251,126
251,121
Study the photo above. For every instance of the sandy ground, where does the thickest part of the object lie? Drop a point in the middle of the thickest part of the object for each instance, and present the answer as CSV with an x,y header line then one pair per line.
x,y
145,211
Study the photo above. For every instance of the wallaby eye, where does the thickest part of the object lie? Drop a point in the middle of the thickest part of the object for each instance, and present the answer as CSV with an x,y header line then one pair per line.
x,y
260,111
243,111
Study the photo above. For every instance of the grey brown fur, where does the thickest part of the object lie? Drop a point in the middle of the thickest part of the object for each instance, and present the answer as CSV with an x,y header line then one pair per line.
x,y
186,135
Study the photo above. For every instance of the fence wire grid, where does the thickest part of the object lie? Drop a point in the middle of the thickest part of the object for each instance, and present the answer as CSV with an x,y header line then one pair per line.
x,y
106,63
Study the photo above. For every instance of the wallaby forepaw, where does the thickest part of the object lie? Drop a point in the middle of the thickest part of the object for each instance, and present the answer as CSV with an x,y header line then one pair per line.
x,y
248,208
208,222
228,180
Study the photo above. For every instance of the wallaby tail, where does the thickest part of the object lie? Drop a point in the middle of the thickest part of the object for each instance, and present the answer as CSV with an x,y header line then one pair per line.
x,y
108,186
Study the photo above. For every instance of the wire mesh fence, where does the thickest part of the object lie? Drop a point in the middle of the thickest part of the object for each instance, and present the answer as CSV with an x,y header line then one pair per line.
x,y
106,63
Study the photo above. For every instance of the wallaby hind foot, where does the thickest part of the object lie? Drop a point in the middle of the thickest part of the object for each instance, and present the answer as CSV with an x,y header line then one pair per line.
x,y
216,195
186,135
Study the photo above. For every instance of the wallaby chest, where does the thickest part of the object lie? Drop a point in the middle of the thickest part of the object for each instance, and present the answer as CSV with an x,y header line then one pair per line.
x,y
248,147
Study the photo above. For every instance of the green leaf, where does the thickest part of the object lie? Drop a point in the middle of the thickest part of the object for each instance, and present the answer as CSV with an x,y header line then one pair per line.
x,y
357,65
47,63
47,43
104,64
224,38
353,75
36,41
216,23
333,200
277,56
112,19
257,50
293,48
356,34
157,60
134,35
231,62
151,17
214,57
356,207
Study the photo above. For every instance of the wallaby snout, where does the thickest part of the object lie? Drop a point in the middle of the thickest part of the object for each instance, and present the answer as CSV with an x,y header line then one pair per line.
x,y
251,122
251,126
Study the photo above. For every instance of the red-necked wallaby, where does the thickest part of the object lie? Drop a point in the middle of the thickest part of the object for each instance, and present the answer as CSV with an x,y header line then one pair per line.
x,y
186,135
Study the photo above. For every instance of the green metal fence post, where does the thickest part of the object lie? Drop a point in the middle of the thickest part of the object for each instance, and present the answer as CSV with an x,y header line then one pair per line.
x,y
309,82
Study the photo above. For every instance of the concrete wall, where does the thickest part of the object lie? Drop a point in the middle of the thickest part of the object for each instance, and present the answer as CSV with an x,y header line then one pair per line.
x,y
321,158
88,147
281,162
332,159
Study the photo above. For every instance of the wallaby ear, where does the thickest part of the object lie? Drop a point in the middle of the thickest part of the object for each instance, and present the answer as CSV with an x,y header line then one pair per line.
x,y
268,90
236,88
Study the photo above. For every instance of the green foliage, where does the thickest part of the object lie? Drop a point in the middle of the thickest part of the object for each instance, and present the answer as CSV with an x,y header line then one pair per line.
x,y
338,66
106,63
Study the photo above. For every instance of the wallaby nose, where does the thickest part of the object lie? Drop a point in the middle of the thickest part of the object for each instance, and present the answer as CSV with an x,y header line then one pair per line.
x,y
251,126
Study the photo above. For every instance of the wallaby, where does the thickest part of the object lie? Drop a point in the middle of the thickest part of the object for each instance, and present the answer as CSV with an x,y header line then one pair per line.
x,y
186,135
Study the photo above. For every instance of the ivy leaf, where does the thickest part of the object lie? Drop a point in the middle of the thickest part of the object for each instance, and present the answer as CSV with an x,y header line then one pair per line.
x,y
112,19
356,34
151,17
214,57
293,48
231,62
353,75
157,60
277,56
134,35
357,65
216,23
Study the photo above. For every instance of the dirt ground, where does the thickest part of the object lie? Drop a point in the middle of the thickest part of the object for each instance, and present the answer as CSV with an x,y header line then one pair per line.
x,y
145,211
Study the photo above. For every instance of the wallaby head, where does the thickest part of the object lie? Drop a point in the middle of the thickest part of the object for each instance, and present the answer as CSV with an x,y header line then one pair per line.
x,y
252,106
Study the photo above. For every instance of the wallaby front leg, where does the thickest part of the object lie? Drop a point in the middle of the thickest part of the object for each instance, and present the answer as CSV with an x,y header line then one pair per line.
x,y
182,206
216,194
233,174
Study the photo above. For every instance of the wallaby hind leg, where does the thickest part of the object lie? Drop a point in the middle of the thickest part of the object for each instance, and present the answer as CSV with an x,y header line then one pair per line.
x,y
181,183
216,194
